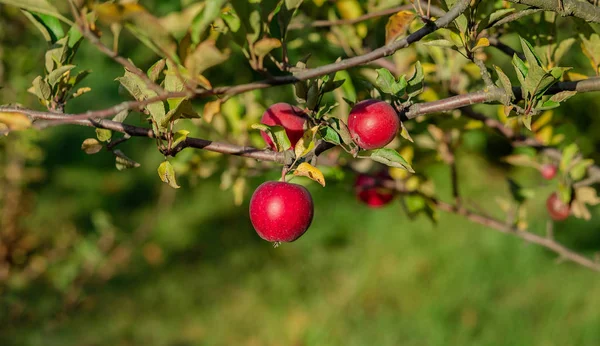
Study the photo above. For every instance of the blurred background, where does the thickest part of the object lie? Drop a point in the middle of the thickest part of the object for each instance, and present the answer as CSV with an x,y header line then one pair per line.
x,y
96,256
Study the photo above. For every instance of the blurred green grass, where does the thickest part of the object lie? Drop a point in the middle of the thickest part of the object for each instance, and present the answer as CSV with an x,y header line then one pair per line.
x,y
358,277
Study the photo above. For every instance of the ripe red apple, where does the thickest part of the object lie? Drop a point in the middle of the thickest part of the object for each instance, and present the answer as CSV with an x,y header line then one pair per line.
x,y
548,171
370,191
557,209
373,124
291,118
280,211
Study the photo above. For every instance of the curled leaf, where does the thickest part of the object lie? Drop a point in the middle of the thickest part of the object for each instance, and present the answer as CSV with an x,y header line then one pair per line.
x,y
167,174
305,169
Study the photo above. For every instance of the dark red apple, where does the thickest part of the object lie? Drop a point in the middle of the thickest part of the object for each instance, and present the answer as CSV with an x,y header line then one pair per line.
x,y
280,211
370,190
548,171
291,118
557,209
373,124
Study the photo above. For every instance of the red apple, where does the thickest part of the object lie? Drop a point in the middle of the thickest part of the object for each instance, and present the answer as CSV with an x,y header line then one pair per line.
x,y
291,118
557,209
370,191
280,211
373,124
548,171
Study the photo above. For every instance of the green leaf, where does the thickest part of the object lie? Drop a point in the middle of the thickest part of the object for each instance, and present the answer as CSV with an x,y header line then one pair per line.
x,y
312,96
521,70
156,69
415,83
330,135
548,104
563,95
497,15
40,6
389,157
505,83
562,48
414,203
526,119
519,193
56,75
74,80
567,156
331,85
103,135
530,55
50,27
212,10
386,82
341,128
91,146
140,91
580,168
167,174
41,88
277,135
205,56
179,137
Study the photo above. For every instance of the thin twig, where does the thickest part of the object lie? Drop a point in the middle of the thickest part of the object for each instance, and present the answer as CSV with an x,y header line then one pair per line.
x,y
85,31
436,11
548,243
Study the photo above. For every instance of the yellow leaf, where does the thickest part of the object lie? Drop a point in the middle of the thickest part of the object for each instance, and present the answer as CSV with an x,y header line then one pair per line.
x,y
544,135
349,9
306,143
91,146
266,45
542,120
15,121
482,42
557,139
211,109
397,25
428,95
408,153
574,76
110,13
167,174
305,169
473,124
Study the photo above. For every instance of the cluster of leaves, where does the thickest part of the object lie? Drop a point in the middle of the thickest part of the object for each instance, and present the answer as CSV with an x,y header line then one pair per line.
x,y
55,88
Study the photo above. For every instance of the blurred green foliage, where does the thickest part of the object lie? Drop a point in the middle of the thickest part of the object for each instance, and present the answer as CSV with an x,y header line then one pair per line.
x,y
103,257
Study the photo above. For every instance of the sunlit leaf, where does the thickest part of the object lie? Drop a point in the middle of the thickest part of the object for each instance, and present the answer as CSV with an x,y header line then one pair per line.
x,y
167,174
305,169
389,157
398,25
306,143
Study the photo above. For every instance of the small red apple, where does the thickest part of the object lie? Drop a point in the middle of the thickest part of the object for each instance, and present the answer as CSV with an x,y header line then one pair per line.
x,y
370,191
548,171
373,124
557,209
291,118
280,211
